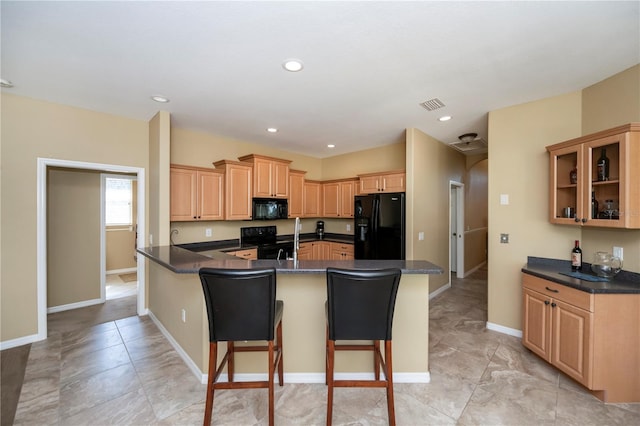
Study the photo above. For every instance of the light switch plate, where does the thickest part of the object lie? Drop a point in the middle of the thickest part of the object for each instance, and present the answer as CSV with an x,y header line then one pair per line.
x,y
420,236
504,199
618,252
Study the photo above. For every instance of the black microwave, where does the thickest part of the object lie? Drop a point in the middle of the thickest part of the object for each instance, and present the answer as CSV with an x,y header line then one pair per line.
x,y
270,209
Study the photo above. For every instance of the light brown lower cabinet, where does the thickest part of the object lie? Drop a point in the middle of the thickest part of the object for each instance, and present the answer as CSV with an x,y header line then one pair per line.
x,y
325,250
340,251
593,338
249,254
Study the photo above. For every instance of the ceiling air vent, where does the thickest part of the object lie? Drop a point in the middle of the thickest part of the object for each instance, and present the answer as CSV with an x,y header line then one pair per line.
x,y
469,142
432,104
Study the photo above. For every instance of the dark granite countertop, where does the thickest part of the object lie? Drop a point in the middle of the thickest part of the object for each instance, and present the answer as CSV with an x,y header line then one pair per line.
x,y
183,261
553,269
234,244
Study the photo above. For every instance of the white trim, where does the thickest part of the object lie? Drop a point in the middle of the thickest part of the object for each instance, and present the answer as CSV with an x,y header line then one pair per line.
x,y
288,377
181,352
103,240
76,305
121,271
439,291
459,187
41,230
504,330
472,270
20,341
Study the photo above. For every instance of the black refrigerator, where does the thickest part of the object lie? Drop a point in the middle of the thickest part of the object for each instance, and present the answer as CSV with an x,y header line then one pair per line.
x,y
379,226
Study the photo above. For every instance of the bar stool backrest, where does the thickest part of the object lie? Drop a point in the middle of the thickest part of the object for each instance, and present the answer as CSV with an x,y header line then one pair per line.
x,y
240,303
360,303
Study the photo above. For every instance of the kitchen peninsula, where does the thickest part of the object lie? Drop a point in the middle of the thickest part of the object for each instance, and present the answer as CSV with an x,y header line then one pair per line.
x,y
176,303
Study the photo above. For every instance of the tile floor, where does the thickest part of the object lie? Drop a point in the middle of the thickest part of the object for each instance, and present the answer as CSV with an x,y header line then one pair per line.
x,y
116,288
125,372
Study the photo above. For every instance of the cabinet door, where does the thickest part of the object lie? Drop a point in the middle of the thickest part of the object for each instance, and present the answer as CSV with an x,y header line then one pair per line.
x,y
183,194
312,199
296,194
306,251
262,178
321,250
369,184
331,196
393,182
536,327
280,180
562,192
238,192
210,196
346,199
611,189
572,340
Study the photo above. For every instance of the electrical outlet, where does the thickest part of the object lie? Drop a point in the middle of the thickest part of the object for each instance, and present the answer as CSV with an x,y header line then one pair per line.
x,y
618,252
420,236
184,315
207,232
504,238
150,239
348,227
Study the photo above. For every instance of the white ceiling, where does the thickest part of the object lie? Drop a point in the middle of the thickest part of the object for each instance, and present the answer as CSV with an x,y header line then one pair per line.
x,y
368,65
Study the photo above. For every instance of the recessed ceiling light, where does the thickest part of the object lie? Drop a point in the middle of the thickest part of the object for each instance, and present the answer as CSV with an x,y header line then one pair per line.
x,y
445,118
293,65
161,99
272,130
331,145
5,83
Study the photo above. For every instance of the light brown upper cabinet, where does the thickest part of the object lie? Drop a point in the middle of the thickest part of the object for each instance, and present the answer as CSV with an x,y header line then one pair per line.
x,y
312,206
338,198
296,193
237,184
582,194
373,183
270,176
196,194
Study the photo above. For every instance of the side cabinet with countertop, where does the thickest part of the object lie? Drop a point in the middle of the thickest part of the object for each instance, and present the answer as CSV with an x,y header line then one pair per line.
x,y
592,337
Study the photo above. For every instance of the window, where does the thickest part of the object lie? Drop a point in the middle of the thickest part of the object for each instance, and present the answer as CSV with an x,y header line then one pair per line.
x,y
118,198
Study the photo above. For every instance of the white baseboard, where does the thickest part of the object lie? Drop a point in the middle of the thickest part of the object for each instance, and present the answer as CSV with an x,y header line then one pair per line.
x,y
439,291
8,344
472,270
122,271
288,377
185,357
76,305
504,330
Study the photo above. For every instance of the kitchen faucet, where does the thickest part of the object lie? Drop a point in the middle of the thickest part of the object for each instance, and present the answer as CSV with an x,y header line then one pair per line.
x,y
296,240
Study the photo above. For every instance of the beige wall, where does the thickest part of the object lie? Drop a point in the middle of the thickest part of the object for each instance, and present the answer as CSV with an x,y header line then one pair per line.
x,y
476,214
32,129
612,102
387,157
73,236
159,160
430,166
518,167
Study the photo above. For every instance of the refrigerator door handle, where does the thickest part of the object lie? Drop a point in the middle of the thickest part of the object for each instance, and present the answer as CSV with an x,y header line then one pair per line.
x,y
375,214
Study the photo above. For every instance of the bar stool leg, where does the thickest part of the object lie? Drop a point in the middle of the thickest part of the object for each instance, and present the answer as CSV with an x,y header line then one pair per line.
x,y
271,390
329,375
389,377
376,359
213,360
231,350
280,347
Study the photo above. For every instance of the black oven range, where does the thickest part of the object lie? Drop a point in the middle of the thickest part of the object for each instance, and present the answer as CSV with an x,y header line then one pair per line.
x,y
265,238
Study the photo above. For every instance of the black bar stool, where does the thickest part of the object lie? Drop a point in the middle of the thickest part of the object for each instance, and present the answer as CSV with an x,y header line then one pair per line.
x,y
360,306
242,306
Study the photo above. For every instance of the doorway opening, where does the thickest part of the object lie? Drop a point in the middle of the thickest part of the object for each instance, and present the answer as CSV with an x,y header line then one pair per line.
x,y
43,165
456,229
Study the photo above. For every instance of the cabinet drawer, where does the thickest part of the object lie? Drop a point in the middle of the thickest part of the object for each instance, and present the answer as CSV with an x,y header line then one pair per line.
x,y
580,299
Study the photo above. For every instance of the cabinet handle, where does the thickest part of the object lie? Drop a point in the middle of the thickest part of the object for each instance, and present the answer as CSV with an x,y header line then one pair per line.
x,y
552,290
546,302
553,305
584,220
577,220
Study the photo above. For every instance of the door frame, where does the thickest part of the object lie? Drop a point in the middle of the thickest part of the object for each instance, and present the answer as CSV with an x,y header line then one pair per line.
x,y
458,187
41,232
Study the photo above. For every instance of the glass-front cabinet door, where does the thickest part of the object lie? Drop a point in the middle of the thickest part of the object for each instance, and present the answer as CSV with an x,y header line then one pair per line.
x,y
565,206
595,179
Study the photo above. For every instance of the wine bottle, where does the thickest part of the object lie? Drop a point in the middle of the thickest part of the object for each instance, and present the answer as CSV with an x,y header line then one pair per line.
x,y
594,205
576,257
603,166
